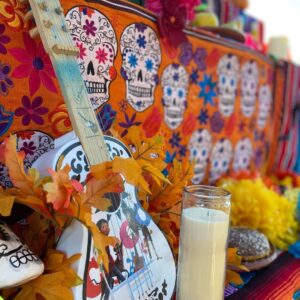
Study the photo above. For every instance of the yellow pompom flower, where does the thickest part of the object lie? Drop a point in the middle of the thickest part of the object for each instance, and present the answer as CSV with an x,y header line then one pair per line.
x,y
256,206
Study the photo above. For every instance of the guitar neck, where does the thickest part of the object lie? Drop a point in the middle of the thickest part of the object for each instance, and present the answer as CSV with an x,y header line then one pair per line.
x,y
58,43
80,110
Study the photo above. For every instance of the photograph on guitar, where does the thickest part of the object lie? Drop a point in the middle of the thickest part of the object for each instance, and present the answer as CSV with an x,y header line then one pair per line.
x,y
143,144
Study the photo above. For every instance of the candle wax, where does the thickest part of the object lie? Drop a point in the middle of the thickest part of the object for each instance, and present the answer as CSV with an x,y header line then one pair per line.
x,y
202,254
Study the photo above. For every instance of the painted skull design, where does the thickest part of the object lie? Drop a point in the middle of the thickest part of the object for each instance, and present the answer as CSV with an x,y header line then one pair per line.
x,y
174,83
228,73
264,105
95,37
17,263
249,87
243,154
34,144
141,57
221,156
199,146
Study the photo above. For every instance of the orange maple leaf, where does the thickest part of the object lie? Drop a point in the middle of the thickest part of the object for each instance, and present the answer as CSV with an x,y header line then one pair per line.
x,y
96,189
60,190
234,263
55,283
147,149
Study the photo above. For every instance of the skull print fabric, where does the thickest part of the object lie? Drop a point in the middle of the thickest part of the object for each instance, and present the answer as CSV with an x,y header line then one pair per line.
x,y
141,58
264,105
207,95
95,37
174,83
243,153
228,73
221,157
249,86
200,146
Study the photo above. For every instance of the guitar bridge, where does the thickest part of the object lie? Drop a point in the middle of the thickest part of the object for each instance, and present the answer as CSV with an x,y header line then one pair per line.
x,y
67,50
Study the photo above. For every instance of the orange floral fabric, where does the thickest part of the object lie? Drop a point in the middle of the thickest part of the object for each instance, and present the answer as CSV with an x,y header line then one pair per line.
x,y
210,99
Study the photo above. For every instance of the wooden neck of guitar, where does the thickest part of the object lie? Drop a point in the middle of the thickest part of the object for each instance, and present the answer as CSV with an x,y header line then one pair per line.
x,y
80,109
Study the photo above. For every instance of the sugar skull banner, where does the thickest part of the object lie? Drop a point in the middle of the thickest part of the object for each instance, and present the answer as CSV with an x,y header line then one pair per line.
x,y
211,99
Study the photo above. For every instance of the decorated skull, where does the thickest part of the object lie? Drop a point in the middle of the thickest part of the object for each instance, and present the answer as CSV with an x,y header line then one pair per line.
x,y
95,37
243,154
199,146
228,73
264,105
221,156
249,87
17,263
34,144
174,82
141,57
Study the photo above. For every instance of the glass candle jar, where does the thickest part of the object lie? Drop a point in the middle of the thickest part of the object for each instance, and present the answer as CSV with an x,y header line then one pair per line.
x,y
203,243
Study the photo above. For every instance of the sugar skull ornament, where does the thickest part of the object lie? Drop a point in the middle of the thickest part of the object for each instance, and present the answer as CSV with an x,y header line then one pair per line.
x,y
228,76
249,83
141,58
17,263
96,39
264,105
200,146
174,83
221,157
243,153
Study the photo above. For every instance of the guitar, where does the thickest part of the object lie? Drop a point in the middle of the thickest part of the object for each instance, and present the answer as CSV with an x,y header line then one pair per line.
x,y
148,277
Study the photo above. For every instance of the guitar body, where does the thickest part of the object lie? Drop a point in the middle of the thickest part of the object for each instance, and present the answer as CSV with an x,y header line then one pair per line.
x,y
142,265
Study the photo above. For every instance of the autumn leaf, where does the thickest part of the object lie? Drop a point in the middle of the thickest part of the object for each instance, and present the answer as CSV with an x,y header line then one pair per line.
x,y
14,161
234,263
233,277
131,170
56,282
97,188
49,286
6,202
60,190
169,195
57,261
148,149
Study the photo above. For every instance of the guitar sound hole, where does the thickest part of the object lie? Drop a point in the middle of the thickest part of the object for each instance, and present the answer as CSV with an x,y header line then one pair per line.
x,y
115,201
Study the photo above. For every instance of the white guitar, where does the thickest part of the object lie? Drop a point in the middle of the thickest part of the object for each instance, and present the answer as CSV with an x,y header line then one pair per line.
x,y
142,267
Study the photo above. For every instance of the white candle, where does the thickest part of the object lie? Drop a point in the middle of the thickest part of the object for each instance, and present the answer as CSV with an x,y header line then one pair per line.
x,y
203,244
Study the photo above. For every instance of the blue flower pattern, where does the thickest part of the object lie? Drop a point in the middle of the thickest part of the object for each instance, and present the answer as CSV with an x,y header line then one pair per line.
x,y
149,65
194,76
133,61
141,41
207,89
203,116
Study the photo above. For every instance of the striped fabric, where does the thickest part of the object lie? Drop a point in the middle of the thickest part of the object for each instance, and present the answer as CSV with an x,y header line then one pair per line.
x,y
279,281
287,152
228,12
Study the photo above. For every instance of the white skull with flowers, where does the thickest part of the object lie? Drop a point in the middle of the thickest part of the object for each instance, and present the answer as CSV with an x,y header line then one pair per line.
x,y
249,87
228,73
199,147
174,83
243,154
95,37
221,157
141,57
264,105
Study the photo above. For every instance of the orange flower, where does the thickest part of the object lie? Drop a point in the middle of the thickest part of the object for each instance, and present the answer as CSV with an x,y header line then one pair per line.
x,y
12,13
60,120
